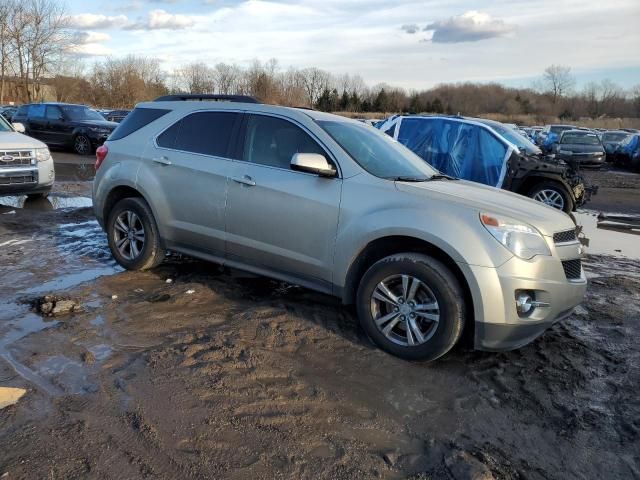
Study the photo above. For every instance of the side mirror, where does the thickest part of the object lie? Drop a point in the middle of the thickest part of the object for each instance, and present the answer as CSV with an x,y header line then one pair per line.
x,y
312,163
18,127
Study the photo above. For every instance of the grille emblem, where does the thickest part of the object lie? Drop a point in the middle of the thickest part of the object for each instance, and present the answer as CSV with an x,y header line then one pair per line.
x,y
6,158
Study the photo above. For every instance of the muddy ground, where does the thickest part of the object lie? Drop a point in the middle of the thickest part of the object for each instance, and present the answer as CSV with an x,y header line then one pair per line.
x,y
220,374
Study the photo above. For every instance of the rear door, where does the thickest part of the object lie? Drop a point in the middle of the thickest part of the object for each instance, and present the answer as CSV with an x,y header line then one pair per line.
x,y
279,219
191,161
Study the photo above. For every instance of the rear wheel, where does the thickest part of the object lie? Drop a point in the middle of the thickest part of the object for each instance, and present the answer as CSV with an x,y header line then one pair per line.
x,y
133,235
412,306
552,194
82,145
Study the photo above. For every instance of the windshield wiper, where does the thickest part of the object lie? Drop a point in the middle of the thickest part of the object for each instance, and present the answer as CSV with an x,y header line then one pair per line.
x,y
442,176
407,179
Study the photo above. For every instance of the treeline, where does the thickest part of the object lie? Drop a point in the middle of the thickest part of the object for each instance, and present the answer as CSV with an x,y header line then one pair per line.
x,y
121,83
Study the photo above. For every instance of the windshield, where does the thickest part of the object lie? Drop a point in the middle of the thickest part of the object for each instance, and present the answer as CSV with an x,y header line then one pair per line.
x,y
4,125
580,139
614,137
376,152
78,112
514,137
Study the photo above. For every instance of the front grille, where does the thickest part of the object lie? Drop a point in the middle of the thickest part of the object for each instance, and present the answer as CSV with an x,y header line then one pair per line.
x,y
16,158
572,268
565,237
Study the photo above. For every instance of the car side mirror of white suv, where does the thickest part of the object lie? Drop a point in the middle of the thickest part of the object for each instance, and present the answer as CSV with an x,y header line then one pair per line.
x,y
18,127
312,163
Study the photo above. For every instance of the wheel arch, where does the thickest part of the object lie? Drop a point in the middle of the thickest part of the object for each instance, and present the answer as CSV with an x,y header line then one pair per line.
x,y
390,245
531,180
116,194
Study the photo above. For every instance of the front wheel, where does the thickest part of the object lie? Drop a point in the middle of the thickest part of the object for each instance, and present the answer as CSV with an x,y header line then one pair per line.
x,y
552,194
82,145
411,306
133,235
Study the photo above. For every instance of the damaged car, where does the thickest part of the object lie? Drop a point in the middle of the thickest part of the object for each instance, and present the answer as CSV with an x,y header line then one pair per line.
x,y
488,152
581,146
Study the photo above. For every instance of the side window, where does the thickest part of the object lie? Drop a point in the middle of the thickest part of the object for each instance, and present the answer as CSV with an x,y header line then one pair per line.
x,y
140,117
53,113
272,141
22,111
167,139
492,152
391,130
208,133
36,110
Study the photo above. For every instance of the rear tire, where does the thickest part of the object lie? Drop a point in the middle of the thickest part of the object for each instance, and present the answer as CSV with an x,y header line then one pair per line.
x,y
552,194
429,316
82,145
133,235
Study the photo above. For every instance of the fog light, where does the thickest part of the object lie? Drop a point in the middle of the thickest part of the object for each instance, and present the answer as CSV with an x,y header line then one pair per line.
x,y
524,303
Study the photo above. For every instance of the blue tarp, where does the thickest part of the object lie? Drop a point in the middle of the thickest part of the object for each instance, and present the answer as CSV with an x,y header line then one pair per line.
x,y
460,148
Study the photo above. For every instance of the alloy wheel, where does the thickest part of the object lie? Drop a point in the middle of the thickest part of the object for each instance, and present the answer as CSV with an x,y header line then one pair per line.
x,y
405,310
128,232
82,145
553,198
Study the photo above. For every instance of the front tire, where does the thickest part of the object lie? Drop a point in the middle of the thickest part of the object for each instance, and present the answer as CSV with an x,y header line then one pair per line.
x,y
133,235
412,306
552,194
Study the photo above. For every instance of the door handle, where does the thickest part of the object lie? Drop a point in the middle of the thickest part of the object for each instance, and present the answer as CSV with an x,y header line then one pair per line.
x,y
245,180
162,160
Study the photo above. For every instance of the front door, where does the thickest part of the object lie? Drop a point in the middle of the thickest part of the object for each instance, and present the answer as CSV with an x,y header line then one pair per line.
x,y
278,219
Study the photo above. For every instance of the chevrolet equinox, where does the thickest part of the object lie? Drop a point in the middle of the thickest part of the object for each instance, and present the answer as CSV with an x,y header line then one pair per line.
x,y
337,206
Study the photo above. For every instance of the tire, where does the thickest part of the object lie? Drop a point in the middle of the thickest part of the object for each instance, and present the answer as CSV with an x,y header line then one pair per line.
x,y
553,191
131,252
442,290
82,145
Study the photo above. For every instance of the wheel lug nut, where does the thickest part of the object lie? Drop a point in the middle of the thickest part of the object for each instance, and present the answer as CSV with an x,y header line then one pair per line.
x,y
396,309
401,317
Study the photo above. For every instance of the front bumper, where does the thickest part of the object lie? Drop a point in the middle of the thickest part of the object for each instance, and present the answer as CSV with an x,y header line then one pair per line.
x,y
97,139
498,326
27,179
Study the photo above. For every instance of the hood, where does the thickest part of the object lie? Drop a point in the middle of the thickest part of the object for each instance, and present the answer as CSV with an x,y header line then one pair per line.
x,y
96,123
482,198
580,148
15,140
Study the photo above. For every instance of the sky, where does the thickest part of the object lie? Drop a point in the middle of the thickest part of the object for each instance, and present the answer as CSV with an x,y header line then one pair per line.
x,y
411,44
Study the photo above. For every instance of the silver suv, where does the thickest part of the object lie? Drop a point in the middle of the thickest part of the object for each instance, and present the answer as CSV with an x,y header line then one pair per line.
x,y
339,207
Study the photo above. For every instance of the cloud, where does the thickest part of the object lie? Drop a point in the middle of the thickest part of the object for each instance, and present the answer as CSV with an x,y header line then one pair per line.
x,y
410,28
471,26
162,20
83,37
85,21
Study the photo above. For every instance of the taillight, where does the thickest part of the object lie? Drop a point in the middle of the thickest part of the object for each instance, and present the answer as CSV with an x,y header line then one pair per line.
x,y
101,154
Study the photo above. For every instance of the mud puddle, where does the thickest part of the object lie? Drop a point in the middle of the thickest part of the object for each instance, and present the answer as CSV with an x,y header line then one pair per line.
x,y
607,241
52,202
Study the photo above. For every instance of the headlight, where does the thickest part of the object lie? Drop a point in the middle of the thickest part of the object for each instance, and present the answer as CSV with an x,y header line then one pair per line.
x,y
42,154
521,239
98,130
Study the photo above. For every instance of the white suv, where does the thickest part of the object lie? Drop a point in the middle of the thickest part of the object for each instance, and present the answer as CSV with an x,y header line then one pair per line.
x,y
26,166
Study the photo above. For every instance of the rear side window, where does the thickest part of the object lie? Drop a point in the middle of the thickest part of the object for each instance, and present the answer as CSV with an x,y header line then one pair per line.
x,y
137,119
207,133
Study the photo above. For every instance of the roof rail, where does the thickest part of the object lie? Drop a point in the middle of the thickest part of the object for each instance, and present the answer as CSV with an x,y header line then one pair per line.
x,y
198,96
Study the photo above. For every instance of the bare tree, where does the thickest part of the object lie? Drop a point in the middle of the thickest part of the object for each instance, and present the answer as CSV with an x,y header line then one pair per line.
x,y
197,77
314,81
227,78
557,81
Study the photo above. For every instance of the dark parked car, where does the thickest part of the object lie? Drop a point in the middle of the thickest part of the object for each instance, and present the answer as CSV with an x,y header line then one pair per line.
x,y
581,146
628,152
489,152
611,140
549,136
65,125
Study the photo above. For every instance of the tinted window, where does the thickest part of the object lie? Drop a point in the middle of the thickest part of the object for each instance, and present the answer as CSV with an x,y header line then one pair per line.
x,y
36,111
137,119
22,111
208,133
53,113
273,141
167,139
